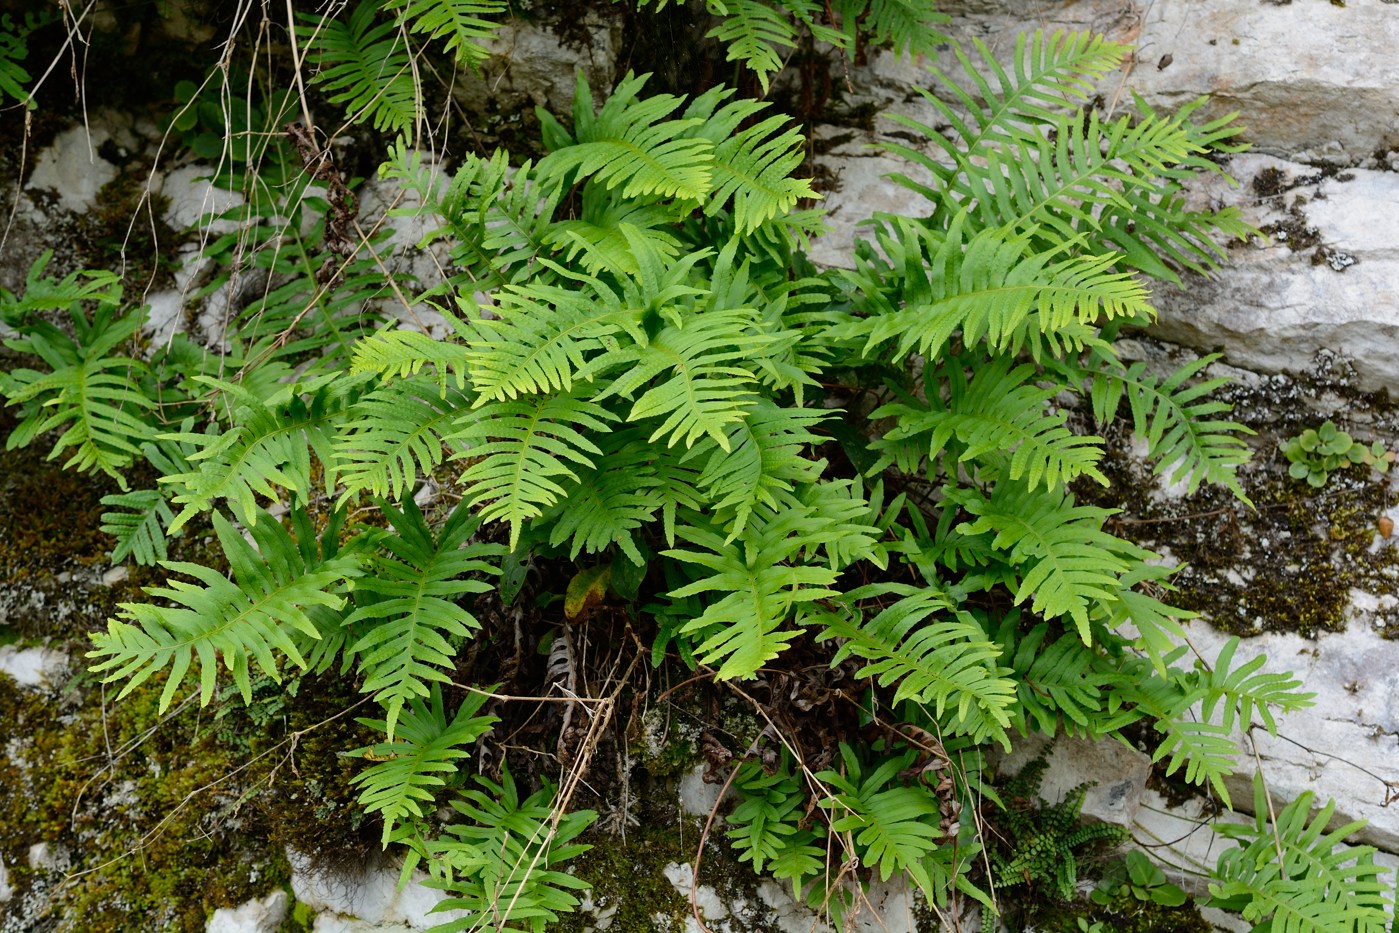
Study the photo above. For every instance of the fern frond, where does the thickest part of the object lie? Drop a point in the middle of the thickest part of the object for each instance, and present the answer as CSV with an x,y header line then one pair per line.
x,y
1002,419
45,293
632,146
895,827
545,335
994,287
756,591
411,769
752,167
997,108
403,353
140,528
521,452
276,581
1238,693
702,391
1059,679
762,465
460,22
930,653
1296,877
392,435
906,26
408,603
266,448
755,31
1175,418
609,502
365,67
1068,563
503,868
90,392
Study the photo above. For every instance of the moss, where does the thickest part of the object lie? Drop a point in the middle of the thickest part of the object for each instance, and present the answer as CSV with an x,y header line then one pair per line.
x,y
168,817
1134,917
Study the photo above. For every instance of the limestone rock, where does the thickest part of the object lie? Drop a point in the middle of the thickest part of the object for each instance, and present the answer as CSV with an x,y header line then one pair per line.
x,y
33,667
531,65
72,169
1327,277
1119,774
6,892
369,894
262,915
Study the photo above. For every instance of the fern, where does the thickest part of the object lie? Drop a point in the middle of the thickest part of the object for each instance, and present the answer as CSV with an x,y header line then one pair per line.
x,y
630,146
946,664
412,768
14,48
501,868
277,579
1295,876
521,451
1174,417
92,393
994,287
894,828
366,67
1069,563
459,22
1000,418
405,605
392,435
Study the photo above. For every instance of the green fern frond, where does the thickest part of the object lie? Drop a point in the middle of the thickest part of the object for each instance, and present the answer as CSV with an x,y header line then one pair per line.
x,y
754,32
14,48
1296,877
1059,683
632,146
140,527
93,394
267,448
408,604
545,335
906,26
1238,693
994,287
762,465
402,353
521,451
1002,419
614,499
756,591
364,66
411,769
45,293
702,391
752,167
767,822
998,108
895,827
1175,418
394,434
503,869
1068,563
930,653
276,581
460,22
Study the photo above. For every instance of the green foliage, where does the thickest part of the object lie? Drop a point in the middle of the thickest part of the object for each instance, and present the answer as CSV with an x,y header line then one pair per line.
x,y
632,410
14,48
1295,876
1136,877
501,865
1317,452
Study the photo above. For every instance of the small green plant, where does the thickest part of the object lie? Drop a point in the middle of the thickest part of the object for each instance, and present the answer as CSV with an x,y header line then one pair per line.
x,y
1136,878
1316,453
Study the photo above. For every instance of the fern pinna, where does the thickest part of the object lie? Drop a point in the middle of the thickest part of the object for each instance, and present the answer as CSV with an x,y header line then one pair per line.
x,y
638,375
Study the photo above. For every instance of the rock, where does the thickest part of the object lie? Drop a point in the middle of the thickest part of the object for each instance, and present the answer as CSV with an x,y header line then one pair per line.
x,y
369,894
327,923
1328,279
33,667
531,65
192,195
263,915
1343,747
6,892
1120,774
72,169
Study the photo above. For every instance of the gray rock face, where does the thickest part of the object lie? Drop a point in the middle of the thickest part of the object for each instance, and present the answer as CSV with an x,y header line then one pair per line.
x,y
1326,276
369,895
263,915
